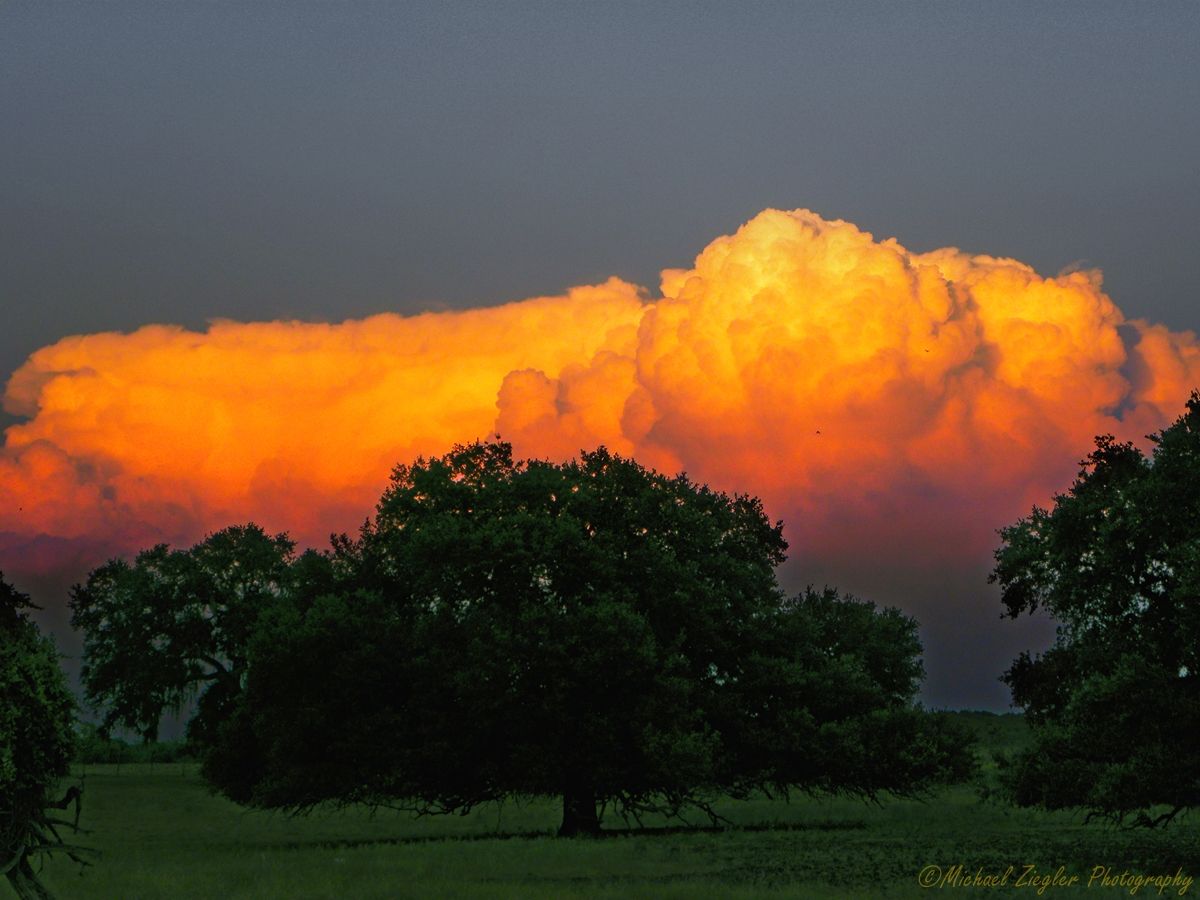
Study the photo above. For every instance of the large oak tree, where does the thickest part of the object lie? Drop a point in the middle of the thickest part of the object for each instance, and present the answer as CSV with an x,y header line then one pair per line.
x,y
593,631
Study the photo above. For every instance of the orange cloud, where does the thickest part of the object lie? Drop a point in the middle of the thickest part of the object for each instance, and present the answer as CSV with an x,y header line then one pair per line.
x,y
165,433
911,403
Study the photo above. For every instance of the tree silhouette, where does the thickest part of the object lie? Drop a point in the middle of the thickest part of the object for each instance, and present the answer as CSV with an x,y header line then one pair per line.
x,y
174,625
1115,703
592,631
37,715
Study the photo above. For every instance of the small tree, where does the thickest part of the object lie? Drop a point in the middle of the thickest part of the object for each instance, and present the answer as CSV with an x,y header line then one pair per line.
x,y
174,625
37,715
1115,703
592,631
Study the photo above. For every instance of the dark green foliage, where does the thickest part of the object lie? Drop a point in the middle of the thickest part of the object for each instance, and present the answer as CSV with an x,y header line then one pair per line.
x,y
175,624
996,734
36,741
593,631
92,747
1115,704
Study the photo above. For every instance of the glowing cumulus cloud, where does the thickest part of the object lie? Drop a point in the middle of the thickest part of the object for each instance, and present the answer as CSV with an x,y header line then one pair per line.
x,y
873,397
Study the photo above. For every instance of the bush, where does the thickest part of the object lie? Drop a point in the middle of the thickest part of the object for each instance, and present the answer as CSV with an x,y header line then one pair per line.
x,y
36,742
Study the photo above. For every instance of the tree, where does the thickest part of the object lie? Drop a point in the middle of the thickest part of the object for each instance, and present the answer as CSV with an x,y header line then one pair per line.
x,y
593,631
174,625
37,714
1115,703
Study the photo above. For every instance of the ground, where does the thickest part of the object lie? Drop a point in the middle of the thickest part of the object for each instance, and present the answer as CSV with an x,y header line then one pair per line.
x,y
163,835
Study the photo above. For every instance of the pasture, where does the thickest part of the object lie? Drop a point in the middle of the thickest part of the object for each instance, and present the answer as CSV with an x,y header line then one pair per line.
x,y
161,834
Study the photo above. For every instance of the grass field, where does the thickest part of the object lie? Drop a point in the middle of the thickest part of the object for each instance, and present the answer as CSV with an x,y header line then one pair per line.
x,y
162,835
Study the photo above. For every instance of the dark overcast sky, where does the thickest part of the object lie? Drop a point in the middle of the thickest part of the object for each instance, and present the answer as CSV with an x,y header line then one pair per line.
x,y
180,162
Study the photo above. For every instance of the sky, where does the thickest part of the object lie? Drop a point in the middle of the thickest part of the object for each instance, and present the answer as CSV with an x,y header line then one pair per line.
x,y
330,171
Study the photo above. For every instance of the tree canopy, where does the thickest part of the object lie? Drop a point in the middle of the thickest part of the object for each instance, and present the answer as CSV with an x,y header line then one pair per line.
x,y
1115,703
174,625
37,716
593,631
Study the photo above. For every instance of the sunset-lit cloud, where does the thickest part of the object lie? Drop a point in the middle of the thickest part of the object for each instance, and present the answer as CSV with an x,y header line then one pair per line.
x,y
910,403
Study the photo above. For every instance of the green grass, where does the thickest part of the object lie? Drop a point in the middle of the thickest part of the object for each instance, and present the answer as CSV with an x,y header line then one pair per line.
x,y
162,835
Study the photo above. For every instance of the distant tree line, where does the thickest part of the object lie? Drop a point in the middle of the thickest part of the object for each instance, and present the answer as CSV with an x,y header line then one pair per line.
x,y
94,748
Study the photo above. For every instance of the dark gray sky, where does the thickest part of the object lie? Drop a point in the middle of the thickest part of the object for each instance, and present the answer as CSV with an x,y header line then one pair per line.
x,y
172,162
177,162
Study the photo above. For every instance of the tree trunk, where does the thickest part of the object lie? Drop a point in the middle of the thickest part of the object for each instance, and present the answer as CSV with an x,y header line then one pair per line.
x,y
579,813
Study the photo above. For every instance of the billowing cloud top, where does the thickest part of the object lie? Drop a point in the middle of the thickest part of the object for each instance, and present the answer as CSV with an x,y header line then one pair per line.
x,y
874,397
